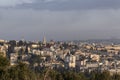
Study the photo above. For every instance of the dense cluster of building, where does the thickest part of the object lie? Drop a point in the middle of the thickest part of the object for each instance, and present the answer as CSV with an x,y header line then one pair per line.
x,y
77,56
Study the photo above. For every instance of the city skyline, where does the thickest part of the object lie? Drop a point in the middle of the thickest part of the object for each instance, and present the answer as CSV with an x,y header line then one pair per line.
x,y
59,20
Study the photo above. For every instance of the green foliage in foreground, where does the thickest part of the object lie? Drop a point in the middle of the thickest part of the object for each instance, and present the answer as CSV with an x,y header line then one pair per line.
x,y
23,72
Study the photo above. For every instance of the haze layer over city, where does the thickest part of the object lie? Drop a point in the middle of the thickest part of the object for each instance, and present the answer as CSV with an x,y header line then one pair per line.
x,y
59,19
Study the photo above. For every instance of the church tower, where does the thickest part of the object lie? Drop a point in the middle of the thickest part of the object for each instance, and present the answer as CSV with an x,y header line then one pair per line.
x,y
44,40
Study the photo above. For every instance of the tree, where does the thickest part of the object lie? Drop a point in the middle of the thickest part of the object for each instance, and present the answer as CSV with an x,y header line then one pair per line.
x,y
12,42
35,59
4,65
116,77
100,76
70,75
50,74
21,72
20,43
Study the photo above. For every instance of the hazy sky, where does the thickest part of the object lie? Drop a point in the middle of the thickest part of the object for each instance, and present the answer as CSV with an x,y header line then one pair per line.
x,y
59,19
